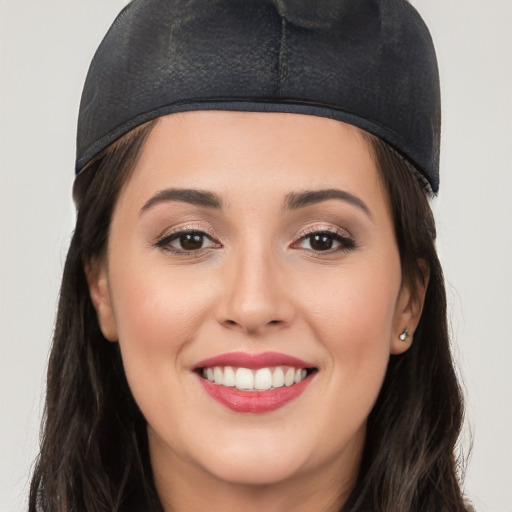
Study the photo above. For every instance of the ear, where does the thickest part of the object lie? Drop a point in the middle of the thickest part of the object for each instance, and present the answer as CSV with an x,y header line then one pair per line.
x,y
409,308
97,279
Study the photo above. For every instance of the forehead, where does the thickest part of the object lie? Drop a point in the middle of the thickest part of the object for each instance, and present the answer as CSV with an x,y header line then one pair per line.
x,y
260,155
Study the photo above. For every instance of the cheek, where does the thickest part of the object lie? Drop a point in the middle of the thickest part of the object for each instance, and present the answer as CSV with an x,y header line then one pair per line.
x,y
158,311
352,315
354,309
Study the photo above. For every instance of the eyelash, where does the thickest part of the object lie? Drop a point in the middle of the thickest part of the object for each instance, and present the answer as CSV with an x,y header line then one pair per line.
x,y
166,240
346,242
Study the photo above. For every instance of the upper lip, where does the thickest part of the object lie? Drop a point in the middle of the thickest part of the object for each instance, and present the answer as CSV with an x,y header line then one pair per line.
x,y
253,361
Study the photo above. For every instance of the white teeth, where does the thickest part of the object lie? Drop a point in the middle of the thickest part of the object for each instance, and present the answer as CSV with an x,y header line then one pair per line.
x,y
217,375
255,380
244,379
289,377
229,377
278,378
263,379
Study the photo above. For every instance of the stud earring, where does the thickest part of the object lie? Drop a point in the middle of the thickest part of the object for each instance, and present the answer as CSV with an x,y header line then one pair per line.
x,y
405,334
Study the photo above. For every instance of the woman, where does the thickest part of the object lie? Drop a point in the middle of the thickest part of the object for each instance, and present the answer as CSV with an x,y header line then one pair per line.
x,y
252,314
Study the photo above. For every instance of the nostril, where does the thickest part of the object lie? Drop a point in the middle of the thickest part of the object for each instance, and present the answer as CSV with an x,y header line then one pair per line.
x,y
233,323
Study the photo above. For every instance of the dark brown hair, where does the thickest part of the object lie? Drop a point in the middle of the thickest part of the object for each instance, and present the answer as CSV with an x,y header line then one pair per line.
x,y
94,454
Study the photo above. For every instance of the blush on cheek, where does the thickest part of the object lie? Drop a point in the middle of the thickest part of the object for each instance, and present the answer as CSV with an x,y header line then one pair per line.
x,y
158,308
157,317
354,315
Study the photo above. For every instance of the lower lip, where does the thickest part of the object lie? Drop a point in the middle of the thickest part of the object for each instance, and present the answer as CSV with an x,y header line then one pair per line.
x,y
254,401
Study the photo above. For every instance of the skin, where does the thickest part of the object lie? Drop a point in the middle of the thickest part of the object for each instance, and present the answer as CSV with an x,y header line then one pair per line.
x,y
256,285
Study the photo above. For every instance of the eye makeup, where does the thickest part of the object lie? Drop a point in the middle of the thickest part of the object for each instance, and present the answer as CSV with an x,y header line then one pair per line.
x,y
190,240
324,241
319,239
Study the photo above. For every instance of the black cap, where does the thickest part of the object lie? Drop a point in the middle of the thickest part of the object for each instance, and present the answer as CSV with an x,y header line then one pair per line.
x,y
370,63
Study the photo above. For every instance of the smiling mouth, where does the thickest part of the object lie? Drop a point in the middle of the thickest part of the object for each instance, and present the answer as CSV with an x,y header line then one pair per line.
x,y
254,383
256,380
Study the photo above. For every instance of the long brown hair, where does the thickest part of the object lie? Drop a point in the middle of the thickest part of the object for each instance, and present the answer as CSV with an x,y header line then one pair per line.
x,y
94,454
409,461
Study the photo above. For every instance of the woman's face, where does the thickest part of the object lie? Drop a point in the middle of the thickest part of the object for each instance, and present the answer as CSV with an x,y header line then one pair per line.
x,y
264,241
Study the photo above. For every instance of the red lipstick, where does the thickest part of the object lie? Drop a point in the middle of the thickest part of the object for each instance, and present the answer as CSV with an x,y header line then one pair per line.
x,y
254,401
253,361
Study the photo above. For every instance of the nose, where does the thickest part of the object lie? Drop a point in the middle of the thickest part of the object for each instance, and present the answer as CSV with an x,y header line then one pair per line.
x,y
256,298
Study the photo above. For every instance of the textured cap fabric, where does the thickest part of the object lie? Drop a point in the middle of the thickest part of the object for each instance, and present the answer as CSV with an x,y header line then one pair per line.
x,y
370,63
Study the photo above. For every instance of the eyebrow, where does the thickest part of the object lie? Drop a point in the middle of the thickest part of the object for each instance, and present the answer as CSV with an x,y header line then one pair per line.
x,y
184,195
295,200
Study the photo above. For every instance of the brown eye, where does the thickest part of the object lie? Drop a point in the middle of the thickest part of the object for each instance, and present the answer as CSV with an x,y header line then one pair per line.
x,y
326,241
321,242
187,242
191,241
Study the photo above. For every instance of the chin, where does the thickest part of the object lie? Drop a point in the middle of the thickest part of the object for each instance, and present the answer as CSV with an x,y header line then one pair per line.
x,y
246,455
256,471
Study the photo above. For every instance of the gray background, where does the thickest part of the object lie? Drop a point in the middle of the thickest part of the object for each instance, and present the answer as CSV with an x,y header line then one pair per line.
x,y
45,48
